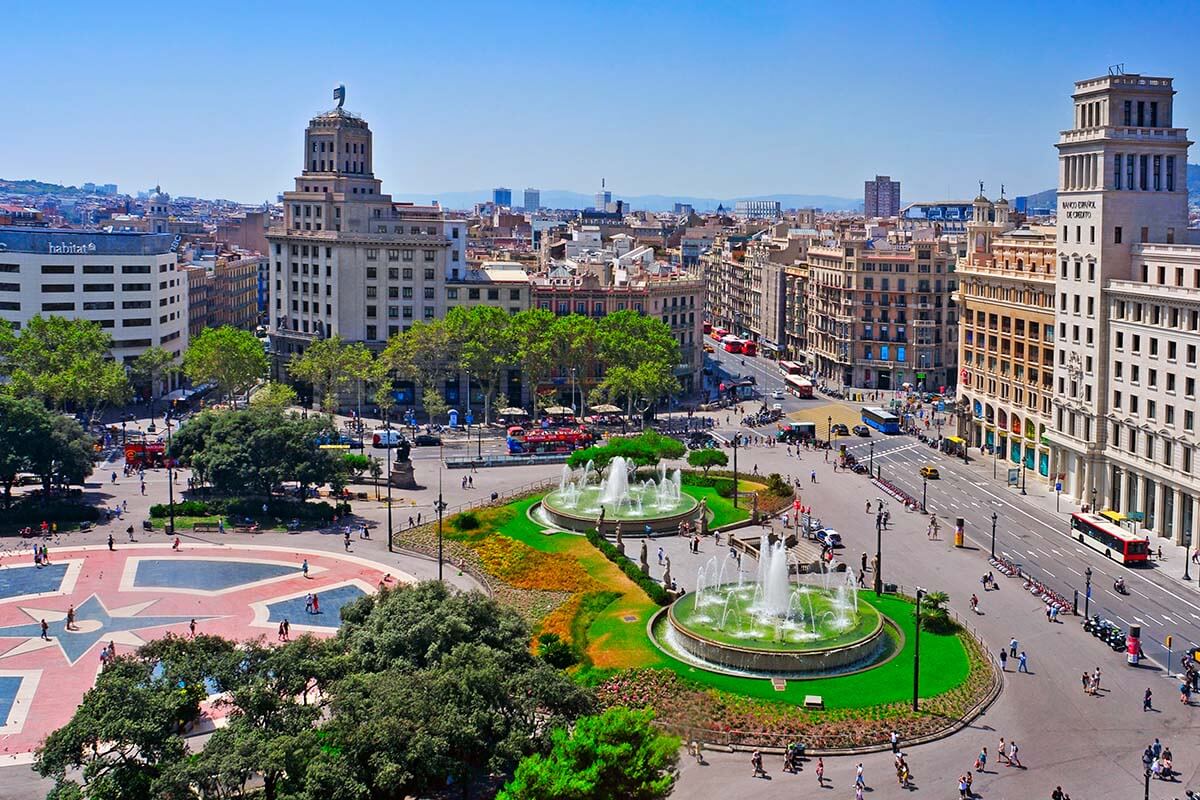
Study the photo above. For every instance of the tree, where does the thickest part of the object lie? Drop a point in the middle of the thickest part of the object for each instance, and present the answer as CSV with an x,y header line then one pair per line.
x,y
486,344
576,344
152,364
330,365
535,348
935,616
24,422
233,359
274,395
706,459
644,450
356,463
434,404
63,362
617,754
375,467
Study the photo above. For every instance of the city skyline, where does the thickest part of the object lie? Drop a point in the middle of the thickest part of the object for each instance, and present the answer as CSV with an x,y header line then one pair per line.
x,y
737,91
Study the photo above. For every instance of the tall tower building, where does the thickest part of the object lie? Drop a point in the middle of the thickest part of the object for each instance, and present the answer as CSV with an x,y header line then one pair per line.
x,y
502,196
881,197
347,261
533,200
1122,185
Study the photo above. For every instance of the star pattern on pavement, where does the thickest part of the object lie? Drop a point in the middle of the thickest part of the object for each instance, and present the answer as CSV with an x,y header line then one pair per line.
x,y
93,622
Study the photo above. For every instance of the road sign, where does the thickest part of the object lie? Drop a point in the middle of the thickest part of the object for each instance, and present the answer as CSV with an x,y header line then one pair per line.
x,y
1058,486
1135,516
1014,477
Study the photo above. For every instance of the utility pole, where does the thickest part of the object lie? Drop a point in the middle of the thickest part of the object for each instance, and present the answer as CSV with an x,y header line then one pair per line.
x,y
441,507
917,650
924,484
1087,594
170,480
736,439
994,516
388,450
879,553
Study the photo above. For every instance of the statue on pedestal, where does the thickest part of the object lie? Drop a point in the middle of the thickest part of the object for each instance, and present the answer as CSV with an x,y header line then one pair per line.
x,y
402,476
600,521
644,559
703,526
620,543
667,574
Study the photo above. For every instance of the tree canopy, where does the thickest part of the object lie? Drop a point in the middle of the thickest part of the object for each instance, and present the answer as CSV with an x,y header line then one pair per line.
x,y
233,359
707,459
64,362
153,364
644,450
330,365
257,449
36,440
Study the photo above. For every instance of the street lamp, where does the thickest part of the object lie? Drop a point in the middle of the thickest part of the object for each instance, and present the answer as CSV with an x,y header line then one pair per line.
x,y
917,650
735,441
1187,556
441,507
995,516
1087,594
879,553
1093,505
924,482
829,430
1023,471
871,465
170,480
387,426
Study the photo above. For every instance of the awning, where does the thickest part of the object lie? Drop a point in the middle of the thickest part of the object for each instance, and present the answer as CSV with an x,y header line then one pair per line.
x,y
956,440
1115,516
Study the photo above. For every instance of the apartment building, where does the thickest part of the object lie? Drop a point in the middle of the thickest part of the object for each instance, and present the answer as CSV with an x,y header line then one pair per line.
x,y
881,312
347,260
1006,339
1121,189
881,197
127,282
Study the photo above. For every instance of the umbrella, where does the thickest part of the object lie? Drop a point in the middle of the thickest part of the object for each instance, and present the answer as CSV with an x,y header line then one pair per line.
x,y
513,411
558,411
607,408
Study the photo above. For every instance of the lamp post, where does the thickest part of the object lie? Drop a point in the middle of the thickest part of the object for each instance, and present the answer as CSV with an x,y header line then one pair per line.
x,y
924,482
995,452
441,507
1093,505
1087,594
388,450
468,410
829,430
1187,557
871,464
170,480
995,516
879,553
1148,774
734,442
917,650
1024,469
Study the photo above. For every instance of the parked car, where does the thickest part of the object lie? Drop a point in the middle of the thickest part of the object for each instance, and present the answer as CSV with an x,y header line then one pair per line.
x,y
777,394
862,430
930,472
838,429
427,440
829,537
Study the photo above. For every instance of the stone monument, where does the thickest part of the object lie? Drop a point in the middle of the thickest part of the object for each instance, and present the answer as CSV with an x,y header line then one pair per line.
x,y
402,476
703,526
620,542
644,559
667,574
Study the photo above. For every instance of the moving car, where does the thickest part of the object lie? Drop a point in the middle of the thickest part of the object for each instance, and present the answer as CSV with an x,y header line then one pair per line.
x,y
862,430
385,437
427,440
929,472
829,537
838,429
777,394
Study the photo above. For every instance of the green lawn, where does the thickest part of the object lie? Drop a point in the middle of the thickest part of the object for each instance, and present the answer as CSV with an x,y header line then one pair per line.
x,y
721,508
868,618
616,637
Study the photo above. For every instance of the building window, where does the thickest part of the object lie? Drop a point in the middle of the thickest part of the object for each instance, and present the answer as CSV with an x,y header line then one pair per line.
x,y
429,255
452,294
1117,171
372,254
472,294
1117,234
406,255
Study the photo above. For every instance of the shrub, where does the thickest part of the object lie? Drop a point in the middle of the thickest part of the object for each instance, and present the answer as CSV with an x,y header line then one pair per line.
x,y
724,486
185,508
285,508
707,459
466,521
555,652
777,485
651,587
31,512
935,617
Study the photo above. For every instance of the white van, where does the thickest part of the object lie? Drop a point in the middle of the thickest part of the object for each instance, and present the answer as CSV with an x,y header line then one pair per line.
x,y
385,437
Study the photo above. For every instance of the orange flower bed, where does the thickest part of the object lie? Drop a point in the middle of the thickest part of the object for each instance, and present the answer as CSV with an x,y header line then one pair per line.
x,y
520,565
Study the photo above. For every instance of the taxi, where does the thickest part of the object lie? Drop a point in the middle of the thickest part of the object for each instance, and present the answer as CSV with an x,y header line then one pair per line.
x,y
930,472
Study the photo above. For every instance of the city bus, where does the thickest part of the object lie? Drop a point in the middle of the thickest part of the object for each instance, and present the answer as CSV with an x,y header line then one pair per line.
x,y
718,334
749,348
731,344
707,328
1106,537
799,385
521,441
880,420
791,367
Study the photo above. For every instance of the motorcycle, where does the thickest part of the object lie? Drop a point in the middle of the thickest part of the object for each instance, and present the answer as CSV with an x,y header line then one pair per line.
x,y
1119,587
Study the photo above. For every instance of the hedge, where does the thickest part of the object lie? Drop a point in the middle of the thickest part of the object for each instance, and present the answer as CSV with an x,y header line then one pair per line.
x,y
32,513
278,508
724,486
650,586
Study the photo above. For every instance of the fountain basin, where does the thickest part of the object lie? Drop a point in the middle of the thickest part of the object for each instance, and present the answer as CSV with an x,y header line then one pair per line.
x,y
750,642
583,518
656,506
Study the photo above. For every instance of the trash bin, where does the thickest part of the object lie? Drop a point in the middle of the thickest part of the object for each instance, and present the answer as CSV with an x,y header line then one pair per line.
x,y
959,537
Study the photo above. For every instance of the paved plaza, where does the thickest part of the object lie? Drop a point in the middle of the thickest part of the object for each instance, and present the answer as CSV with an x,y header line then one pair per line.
x,y
242,584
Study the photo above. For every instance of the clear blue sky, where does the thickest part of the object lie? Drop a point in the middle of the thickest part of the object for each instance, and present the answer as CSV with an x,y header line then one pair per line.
x,y
699,98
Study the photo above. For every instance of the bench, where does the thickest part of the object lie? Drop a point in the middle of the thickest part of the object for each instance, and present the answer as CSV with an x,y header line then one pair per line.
x,y
814,701
205,527
85,526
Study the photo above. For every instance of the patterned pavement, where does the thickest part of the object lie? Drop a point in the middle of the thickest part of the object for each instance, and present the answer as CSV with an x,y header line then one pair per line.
x,y
138,593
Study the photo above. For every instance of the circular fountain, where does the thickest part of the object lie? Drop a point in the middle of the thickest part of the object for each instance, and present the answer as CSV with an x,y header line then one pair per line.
x,y
585,496
771,625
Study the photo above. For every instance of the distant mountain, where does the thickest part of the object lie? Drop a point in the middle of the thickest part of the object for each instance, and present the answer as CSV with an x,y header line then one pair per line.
x,y
1049,198
561,198
32,187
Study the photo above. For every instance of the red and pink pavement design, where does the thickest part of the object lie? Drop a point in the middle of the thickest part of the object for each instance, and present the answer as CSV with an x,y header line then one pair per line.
x,y
138,593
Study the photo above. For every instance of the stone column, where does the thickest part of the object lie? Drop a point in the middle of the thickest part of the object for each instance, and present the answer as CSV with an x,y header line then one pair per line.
x,y
1181,499
1160,512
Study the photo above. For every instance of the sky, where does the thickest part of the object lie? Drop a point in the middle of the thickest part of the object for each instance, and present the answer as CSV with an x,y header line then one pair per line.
x,y
714,99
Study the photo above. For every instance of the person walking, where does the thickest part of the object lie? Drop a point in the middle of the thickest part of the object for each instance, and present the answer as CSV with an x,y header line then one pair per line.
x,y
71,621
1013,760
1012,647
756,764
981,761
1096,681
1148,700
820,770
45,631
1004,661
974,603
110,542
175,544
1002,751
281,631
129,531
316,604
864,561
1022,663
859,780
894,739
287,630
192,628
812,476
308,603
304,567
962,786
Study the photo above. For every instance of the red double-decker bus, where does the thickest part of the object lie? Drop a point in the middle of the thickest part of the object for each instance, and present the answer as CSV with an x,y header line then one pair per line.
x,y
524,442
749,348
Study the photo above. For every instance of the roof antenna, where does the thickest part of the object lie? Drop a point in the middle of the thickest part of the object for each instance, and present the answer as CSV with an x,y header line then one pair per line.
x,y
1116,69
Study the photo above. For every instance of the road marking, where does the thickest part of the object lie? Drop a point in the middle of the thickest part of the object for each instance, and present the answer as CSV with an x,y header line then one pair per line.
x,y
1193,616
1052,550
1075,572
1048,572
1168,619
1118,616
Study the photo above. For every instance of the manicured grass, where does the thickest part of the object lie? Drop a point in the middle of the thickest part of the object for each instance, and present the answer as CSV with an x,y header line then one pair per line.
x,y
615,636
721,508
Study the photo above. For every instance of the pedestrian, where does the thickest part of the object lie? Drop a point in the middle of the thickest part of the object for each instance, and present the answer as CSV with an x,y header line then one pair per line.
x,y
220,525
1004,661
346,540
812,476
364,534
1022,665
1086,680
1156,748
820,770
1001,751
660,556
464,482
862,578
110,542
1013,760
756,764
45,630
1054,613
316,604
1048,612
1148,700
962,786
114,476
281,631
868,506
143,488
129,531
974,602
1096,681
859,781
981,761
858,793
410,522
418,517
864,562
192,628
308,603
287,629
1012,646
304,567
175,545
470,482
71,621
